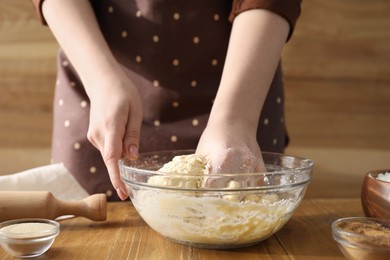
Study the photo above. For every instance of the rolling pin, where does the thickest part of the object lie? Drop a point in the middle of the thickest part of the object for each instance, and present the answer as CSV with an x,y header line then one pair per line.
x,y
42,204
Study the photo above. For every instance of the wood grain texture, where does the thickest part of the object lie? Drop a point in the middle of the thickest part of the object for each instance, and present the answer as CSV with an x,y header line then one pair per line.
x,y
337,69
341,40
43,204
307,235
27,76
339,172
337,75
338,113
375,195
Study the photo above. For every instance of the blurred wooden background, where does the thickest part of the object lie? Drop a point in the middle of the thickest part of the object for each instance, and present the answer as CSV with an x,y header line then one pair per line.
x,y
337,76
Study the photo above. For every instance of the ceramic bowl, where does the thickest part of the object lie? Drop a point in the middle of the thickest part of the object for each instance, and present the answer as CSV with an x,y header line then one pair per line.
x,y
216,216
363,238
375,195
26,238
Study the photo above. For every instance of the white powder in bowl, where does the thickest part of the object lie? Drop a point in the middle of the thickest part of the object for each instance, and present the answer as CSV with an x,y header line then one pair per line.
x,y
27,230
384,176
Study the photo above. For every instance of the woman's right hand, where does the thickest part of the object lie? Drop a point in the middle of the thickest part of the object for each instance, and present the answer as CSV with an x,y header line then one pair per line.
x,y
116,109
115,122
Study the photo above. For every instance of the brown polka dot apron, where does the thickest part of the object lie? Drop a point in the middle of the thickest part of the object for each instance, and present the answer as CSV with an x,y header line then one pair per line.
x,y
174,52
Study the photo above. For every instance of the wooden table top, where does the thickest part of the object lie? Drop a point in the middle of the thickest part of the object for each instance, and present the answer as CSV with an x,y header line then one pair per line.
x,y
307,235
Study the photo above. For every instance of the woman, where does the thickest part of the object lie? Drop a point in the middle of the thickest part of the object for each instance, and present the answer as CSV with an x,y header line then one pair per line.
x,y
148,75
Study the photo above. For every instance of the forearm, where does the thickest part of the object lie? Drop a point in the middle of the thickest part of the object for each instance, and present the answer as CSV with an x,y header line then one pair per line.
x,y
255,47
75,27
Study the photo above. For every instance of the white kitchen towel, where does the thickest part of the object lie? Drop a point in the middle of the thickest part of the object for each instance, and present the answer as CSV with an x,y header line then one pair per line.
x,y
54,178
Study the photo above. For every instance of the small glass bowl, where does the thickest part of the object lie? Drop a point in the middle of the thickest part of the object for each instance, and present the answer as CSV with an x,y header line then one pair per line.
x,y
363,237
216,216
26,238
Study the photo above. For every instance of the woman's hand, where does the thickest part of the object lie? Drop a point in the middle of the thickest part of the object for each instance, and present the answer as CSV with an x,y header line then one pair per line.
x,y
255,46
116,110
115,122
231,150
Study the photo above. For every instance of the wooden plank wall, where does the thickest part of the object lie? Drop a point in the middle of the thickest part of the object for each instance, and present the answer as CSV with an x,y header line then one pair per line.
x,y
337,75
27,76
337,71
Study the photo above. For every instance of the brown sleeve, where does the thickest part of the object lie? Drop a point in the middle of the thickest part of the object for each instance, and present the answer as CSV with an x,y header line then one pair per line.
x,y
288,9
38,10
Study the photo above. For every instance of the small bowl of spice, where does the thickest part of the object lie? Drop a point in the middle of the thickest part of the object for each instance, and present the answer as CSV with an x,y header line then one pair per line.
x,y
363,237
25,238
375,194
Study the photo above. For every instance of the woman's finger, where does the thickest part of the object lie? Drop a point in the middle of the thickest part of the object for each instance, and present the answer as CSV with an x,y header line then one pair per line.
x,y
132,134
112,152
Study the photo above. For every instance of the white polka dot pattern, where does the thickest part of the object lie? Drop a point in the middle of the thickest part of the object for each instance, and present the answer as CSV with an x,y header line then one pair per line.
x,y
194,83
173,138
77,146
175,62
196,40
176,16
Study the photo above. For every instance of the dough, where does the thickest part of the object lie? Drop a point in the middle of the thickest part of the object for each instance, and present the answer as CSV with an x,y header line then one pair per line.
x,y
178,168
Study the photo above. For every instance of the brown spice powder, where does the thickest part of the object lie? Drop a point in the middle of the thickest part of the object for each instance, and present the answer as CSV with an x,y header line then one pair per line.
x,y
379,234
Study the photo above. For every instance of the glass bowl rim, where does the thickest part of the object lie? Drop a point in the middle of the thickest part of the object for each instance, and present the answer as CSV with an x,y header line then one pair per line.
x,y
43,234
292,171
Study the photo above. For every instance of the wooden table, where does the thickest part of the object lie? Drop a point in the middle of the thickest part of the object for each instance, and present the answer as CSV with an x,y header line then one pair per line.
x,y
307,235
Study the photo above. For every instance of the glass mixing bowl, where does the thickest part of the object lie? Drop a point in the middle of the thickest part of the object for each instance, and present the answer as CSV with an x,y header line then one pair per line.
x,y
214,213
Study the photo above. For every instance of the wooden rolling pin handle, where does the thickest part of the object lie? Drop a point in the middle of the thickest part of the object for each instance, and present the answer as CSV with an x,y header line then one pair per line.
x,y
93,207
42,204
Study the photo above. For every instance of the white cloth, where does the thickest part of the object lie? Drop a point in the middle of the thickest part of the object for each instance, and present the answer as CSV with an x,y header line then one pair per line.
x,y
54,178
